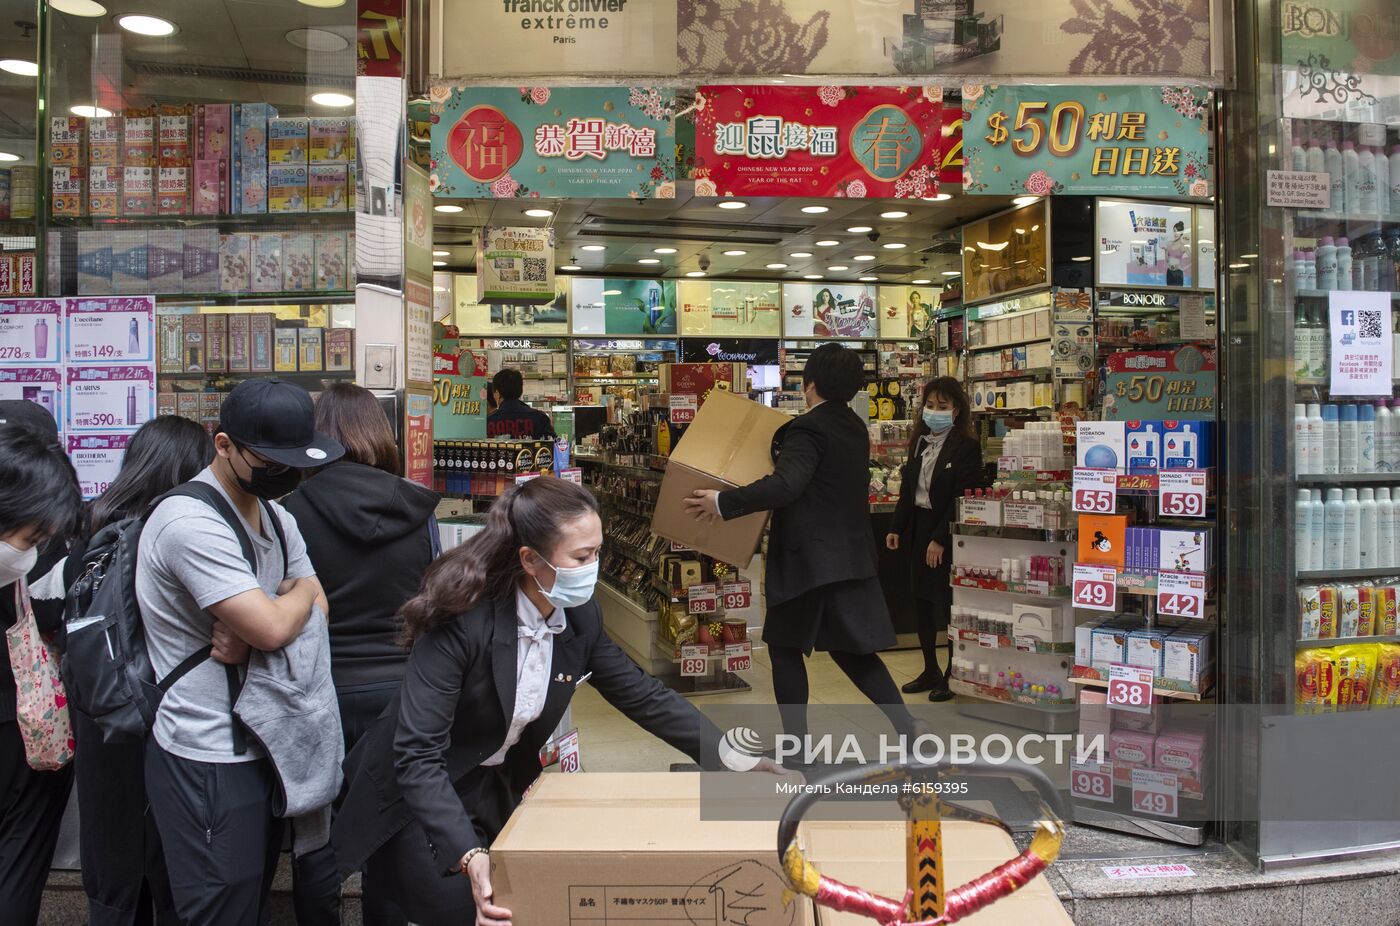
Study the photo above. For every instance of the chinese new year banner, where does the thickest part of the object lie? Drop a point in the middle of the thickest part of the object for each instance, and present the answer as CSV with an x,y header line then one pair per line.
x,y
818,141
533,142
1042,140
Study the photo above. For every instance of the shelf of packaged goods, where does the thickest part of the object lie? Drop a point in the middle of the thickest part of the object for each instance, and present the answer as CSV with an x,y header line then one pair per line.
x,y
1022,342
1008,412
1346,641
624,468
616,546
991,693
1051,593
625,599
289,297
261,220
1002,641
1323,293
294,376
1038,373
1179,694
1149,343
613,378
1328,575
1016,533
1318,479
1307,215
631,506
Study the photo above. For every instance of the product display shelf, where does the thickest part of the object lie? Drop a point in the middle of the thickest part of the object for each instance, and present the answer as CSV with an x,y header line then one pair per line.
x,y
1148,343
1052,593
1002,641
1347,641
1000,344
1332,575
1308,215
311,380
260,220
1184,693
981,702
288,297
1319,479
1323,294
1012,412
993,693
1016,533
1038,373
1101,817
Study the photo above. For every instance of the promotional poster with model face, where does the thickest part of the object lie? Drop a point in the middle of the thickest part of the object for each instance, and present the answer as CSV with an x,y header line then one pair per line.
x,y
830,310
1145,244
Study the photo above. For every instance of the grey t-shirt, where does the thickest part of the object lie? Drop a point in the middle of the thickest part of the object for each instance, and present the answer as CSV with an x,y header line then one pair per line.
x,y
189,559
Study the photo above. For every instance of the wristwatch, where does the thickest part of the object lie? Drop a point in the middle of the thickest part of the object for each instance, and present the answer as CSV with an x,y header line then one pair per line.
x,y
471,854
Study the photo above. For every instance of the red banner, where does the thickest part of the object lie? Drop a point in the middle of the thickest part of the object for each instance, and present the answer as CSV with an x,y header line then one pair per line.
x,y
380,39
856,142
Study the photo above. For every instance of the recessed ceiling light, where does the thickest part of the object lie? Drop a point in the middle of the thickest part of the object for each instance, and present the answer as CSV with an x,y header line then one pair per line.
x,y
447,207
142,24
1026,200
1249,256
859,229
812,276
894,214
952,273
439,263
869,279
539,213
777,266
317,40
733,204
19,66
938,198
78,7
837,268
612,292
865,257
571,267
815,210
922,282
593,247
330,98
89,112
800,254
828,243
735,253
1238,266
696,273
322,4
894,246
7,156
663,250
1080,260
649,260
441,254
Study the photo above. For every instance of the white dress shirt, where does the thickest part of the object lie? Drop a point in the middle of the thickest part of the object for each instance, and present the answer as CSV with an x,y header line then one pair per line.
x,y
933,446
533,658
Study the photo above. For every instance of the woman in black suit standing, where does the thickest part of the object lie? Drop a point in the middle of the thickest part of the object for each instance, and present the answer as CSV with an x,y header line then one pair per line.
x,y
945,459
820,571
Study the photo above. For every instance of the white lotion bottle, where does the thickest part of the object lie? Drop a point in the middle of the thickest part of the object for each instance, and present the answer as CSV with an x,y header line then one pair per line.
x,y
1298,155
1351,170
1351,530
1302,531
1336,172
1367,522
1302,462
1331,441
1382,437
1334,530
1316,159
1343,263
1326,264
1314,438
1385,529
1349,449
1395,180
1317,523
1365,181
1366,438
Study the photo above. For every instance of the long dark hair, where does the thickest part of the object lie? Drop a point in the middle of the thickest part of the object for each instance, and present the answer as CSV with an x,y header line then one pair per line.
x,y
38,486
163,453
352,415
488,565
950,390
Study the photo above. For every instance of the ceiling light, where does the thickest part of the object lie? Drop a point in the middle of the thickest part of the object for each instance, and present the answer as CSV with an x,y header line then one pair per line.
x,y
894,246
812,276
696,273
19,66
952,273
78,7
922,282
571,267
800,254
317,40
1025,200
999,246
837,268
1239,266
663,250
865,257
142,24
649,260
777,266
441,254
7,156
828,243
322,4
938,198
733,204
89,112
539,213
330,98
815,210
894,214
859,229
1249,256
439,263
735,253
869,279
593,247
1080,260
447,207
612,292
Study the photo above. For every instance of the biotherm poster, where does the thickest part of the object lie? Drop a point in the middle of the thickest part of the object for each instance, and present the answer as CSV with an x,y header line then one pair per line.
x,y
624,307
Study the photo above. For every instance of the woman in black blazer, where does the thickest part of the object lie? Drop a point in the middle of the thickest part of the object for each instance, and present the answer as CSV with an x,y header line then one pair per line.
x,y
945,459
503,631
820,572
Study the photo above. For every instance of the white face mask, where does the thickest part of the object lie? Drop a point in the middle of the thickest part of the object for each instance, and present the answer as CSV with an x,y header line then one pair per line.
x,y
573,585
16,564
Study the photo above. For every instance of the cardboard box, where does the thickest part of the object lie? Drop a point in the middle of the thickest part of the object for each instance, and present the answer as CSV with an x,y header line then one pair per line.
x,y
104,190
252,187
130,267
1103,539
239,336
173,134
194,343
298,261
260,328
138,190
172,343
28,286
340,350
66,141
216,343
267,262
729,444
311,349
166,404
284,350
326,188
1109,645
187,405
213,131
201,269
94,263
330,139
67,192
1182,551
594,846
236,262
1143,440
210,187
139,138
286,188
1186,444
287,141
104,141
172,190
1145,648
165,260
331,261
1101,444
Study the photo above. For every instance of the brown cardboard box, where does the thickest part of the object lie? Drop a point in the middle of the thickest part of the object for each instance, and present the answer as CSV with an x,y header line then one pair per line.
x,y
729,444
605,848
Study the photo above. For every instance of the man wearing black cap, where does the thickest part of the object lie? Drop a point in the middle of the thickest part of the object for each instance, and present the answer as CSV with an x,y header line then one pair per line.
x,y
211,792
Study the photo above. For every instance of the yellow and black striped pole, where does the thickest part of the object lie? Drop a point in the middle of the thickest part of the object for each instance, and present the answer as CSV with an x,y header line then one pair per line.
x,y
925,858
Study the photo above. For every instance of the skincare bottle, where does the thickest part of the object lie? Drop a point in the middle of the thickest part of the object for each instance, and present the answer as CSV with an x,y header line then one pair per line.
x,y
1367,543
1351,530
1331,441
1302,530
1348,450
1334,530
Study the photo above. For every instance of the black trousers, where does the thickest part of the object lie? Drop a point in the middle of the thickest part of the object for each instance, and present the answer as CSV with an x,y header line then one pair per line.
x,y
220,837
123,865
933,617
31,809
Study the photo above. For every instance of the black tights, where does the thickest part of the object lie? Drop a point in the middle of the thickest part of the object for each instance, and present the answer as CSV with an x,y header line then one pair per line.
x,y
928,615
866,670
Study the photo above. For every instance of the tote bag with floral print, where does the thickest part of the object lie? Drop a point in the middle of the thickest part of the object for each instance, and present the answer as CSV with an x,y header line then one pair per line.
x,y
41,705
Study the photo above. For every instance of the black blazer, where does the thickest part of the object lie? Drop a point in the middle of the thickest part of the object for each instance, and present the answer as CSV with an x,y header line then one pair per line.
x,y
959,467
819,494
453,712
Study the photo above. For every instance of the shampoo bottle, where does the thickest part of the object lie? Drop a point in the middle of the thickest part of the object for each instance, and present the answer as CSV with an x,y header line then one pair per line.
x,y
1365,181
1301,452
1298,155
1385,529
1382,437
1326,264
1316,159
1302,531
1315,434
1351,170
1332,156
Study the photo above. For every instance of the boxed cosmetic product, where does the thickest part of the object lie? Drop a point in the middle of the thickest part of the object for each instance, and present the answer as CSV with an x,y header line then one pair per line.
x,y
213,131
130,268
239,355
172,343
1129,749
1187,657
250,124
1143,440
210,187
298,261
216,343
311,349
139,138
25,271
1182,752
1186,444
94,263
236,262
1045,624
260,328
210,404
66,195
201,271
331,261
267,262
1084,644
187,405
286,188
172,190
1182,551
252,187
340,350
166,404
1109,645
1103,539
104,190
7,275
65,141
330,139
194,343
173,134
1101,445
138,190
326,188
1145,648
287,141
105,141
1150,722
24,191
284,350
165,260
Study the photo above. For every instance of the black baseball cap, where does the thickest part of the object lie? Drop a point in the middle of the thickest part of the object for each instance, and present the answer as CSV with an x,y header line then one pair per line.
x,y
276,420
28,414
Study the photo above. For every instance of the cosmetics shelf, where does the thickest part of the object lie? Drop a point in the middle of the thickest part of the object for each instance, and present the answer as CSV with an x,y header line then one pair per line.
x,y
1346,641
1039,373
1178,694
288,297
253,221
1318,479
1328,575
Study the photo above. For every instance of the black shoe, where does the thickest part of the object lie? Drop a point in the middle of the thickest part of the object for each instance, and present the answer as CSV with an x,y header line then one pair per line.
x,y
940,694
924,682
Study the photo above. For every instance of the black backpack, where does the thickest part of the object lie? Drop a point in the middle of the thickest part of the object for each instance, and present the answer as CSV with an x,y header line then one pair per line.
x,y
106,669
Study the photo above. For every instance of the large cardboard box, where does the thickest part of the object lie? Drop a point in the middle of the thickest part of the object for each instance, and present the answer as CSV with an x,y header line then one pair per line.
x,y
598,848
729,444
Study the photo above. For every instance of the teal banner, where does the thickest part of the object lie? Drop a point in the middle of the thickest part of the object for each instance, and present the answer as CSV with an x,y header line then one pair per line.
x,y
1086,140
1330,40
544,142
624,307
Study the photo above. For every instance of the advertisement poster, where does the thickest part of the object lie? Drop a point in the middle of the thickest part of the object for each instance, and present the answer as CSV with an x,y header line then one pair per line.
x,y
1072,333
624,307
830,310
1205,247
1145,244
110,329
907,311
753,351
31,331
104,398
1350,35
418,221
459,392
1160,384
853,142
1361,361
97,458
40,385
730,308
1041,140
1006,253
533,142
515,264
498,319
418,438
418,333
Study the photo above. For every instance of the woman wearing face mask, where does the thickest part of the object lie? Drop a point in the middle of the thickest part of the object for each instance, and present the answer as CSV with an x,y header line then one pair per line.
x,y
503,631
945,459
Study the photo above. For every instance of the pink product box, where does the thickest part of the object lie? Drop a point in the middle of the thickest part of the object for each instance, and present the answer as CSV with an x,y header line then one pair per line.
x,y
213,131
1140,723
1094,713
1129,749
210,187
1181,752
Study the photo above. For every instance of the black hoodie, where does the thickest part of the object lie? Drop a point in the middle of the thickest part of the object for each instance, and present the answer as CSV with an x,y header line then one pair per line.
x,y
366,532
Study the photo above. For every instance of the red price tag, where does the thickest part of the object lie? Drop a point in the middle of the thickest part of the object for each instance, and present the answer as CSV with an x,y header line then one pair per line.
x,y
569,759
1181,594
694,660
683,409
738,657
1095,587
1182,493
1130,688
737,595
702,599
988,640
523,478
1095,490
1155,792
1091,781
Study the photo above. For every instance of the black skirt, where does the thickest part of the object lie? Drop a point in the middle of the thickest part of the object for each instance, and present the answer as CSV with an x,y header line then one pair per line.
x,y
845,617
930,584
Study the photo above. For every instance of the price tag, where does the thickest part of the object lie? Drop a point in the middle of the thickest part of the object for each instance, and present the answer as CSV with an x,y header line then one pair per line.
x,y
1130,688
1095,490
1095,587
1037,587
680,547
1091,781
572,474
522,478
694,660
1032,464
569,760
1023,514
738,657
683,408
1181,493
987,640
1008,464
737,595
983,511
1155,792
1181,594
1025,644
702,599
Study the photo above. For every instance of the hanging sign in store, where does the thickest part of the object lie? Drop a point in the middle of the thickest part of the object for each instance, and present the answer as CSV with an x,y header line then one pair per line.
x,y
1155,792
485,318
1072,333
110,329
532,142
1182,493
97,458
753,351
636,307
1042,140
31,331
1095,490
1130,688
630,345
459,393
1361,360
1162,384
906,311
830,310
853,142
1181,594
1146,244
515,264
1091,781
1095,587
732,308
418,438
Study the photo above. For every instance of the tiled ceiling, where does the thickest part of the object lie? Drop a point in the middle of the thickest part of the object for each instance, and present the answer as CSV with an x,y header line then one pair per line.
x,y
769,231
